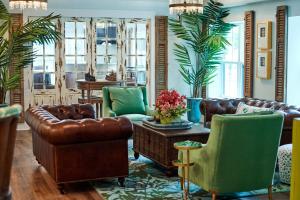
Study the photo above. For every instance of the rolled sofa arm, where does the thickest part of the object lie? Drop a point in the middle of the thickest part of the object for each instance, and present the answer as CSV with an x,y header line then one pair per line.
x,y
62,132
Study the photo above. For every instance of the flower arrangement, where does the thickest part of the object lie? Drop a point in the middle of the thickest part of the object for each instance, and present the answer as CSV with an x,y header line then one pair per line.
x,y
170,106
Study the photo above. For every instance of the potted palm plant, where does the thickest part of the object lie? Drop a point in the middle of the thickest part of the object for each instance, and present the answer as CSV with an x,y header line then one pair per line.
x,y
202,40
16,46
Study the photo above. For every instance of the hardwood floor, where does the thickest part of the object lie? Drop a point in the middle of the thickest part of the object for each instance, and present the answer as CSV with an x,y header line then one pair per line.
x,y
30,181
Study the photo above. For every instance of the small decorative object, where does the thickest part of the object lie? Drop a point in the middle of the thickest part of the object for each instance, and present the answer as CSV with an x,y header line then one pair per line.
x,y
186,6
22,4
111,76
264,35
89,77
170,106
264,63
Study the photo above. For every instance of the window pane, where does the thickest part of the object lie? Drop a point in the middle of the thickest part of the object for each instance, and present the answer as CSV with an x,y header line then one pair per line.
x,y
38,80
50,49
131,61
81,29
80,75
81,47
141,62
141,77
141,31
112,47
101,47
69,29
112,30
100,30
100,60
71,80
49,64
50,80
81,63
112,60
131,48
38,48
130,30
70,64
38,64
70,46
231,80
141,47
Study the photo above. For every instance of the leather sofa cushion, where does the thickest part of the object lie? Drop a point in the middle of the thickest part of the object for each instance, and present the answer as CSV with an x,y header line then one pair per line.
x,y
127,100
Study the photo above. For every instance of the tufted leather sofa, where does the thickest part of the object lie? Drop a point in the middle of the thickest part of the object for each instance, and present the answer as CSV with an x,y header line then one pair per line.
x,y
209,107
73,146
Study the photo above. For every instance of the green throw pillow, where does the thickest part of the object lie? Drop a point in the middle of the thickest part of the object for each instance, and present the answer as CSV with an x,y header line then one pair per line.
x,y
243,108
252,114
127,100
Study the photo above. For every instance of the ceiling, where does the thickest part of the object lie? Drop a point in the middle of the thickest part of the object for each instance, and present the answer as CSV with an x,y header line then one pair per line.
x,y
127,4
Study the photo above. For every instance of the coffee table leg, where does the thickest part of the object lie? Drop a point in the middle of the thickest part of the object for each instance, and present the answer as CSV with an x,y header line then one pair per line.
x,y
181,183
136,155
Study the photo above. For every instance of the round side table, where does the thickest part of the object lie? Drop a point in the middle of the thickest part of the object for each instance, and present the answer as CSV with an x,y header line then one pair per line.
x,y
185,166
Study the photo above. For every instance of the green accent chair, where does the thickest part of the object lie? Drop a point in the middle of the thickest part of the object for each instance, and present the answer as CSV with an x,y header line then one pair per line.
x,y
130,102
240,154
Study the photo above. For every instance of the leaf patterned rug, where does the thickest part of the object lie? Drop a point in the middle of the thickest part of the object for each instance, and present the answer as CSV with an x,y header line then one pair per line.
x,y
147,181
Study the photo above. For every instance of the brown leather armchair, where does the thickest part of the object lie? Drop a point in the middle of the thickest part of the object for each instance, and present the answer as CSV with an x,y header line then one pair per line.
x,y
9,117
73,146
209,107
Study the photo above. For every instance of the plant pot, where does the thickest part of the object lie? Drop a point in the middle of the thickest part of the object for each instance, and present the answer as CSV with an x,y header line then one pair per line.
x,y
170,120
193,105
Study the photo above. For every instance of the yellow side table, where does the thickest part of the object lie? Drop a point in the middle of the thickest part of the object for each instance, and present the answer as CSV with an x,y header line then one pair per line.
x,y
185,166
295,182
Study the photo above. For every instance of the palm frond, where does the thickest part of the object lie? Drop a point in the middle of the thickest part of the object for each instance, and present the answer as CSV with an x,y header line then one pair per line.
x,y
205,36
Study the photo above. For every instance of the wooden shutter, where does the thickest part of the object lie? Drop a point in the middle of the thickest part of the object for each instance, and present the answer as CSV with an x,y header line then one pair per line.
x,y
249,53
161,54
17,95
281,34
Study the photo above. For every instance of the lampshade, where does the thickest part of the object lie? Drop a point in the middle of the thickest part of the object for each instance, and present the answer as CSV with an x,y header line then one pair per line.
x,y
185,6
22,4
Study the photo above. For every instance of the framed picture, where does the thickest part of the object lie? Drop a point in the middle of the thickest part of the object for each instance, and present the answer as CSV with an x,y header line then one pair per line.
x,y
264,64
264,35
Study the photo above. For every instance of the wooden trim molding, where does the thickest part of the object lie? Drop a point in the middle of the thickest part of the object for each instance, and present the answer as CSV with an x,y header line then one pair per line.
x,y
281,45
161,54
249,53
17,95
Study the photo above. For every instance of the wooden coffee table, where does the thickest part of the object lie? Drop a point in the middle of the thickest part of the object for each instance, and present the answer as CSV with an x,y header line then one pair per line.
x,y
158,145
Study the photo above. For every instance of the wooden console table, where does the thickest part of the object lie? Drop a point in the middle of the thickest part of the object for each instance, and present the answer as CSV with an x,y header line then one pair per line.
x,y
88,86
158,145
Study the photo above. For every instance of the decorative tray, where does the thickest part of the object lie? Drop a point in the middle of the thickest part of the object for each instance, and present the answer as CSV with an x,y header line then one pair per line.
x,y
184,124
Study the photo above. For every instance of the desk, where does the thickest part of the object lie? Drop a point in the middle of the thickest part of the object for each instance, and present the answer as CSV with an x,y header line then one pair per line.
x,y
88,86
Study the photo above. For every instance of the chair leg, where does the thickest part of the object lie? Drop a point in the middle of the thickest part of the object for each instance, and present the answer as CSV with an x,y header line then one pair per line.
x,y
270,192
213,195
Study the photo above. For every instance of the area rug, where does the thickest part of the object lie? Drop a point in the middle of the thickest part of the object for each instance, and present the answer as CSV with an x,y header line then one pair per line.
x,y
147,181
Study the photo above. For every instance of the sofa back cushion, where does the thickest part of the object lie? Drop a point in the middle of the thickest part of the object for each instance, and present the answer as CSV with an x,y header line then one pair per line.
x,y
74,111
127,100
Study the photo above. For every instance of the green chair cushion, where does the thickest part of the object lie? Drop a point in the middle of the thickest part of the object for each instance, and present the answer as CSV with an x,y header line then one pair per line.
x,y
127,100
136,117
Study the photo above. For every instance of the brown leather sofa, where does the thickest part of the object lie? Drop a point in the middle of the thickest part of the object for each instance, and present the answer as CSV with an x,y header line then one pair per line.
x,y
209,107
73,146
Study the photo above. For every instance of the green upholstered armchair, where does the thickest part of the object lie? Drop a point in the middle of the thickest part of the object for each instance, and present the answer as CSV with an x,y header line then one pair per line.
x,y
130,102
240,154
